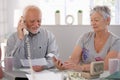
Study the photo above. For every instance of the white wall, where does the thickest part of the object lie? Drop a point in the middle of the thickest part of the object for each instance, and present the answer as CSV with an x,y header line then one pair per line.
x,y
67,36
6,17
3,19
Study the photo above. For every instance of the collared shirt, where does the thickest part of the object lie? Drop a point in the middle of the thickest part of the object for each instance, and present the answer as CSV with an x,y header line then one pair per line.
x,y
41,44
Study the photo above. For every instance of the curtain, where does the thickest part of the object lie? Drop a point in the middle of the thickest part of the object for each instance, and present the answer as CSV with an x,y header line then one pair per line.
x,y
117,12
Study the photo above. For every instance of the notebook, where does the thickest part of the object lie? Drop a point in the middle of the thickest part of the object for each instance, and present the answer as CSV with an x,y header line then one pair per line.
x,y
114,76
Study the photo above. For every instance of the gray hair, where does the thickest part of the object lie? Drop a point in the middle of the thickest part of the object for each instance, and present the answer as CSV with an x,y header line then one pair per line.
x,y
103,10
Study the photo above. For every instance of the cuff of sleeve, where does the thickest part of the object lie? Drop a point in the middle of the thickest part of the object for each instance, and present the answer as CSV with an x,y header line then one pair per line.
x,y
49,65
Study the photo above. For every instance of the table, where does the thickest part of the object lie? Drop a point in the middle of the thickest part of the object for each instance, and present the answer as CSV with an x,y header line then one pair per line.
x,y
21,75
15,75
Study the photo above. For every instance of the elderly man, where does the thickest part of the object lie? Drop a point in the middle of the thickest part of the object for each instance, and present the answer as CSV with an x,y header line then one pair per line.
x,y
42,42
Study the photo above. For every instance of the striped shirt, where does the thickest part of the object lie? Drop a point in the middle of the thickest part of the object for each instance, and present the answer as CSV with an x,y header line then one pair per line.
x,y
41,44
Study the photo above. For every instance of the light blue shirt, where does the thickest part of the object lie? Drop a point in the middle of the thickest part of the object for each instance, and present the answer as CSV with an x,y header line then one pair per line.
x,y
89,54
41,44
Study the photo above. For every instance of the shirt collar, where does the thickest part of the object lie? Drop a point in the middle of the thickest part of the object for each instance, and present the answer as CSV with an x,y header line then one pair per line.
x,y
32,35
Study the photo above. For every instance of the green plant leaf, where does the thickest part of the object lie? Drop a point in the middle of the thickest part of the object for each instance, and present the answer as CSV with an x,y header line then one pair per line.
x,y
57,11
80,11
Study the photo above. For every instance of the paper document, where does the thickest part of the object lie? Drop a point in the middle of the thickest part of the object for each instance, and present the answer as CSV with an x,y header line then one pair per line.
x,y
27,70
46,75
41,61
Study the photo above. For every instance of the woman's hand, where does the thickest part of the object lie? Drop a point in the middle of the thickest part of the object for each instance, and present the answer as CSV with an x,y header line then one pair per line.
x,y
58,64
72,66
86,67
37,68
77,67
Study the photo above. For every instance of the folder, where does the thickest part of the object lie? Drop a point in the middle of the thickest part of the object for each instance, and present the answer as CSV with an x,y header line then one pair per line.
x,y
114,76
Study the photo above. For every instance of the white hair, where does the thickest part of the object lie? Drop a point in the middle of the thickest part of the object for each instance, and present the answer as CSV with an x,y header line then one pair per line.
x,y
103,10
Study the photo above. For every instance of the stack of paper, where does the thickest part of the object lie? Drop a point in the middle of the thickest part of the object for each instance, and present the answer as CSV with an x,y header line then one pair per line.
x,y
46,75
41,61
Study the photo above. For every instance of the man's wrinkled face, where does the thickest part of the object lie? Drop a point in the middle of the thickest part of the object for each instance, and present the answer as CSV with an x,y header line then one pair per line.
x,y
33,20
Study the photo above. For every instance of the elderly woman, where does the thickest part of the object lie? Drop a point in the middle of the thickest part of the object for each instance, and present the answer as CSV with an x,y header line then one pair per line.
x,y
99,45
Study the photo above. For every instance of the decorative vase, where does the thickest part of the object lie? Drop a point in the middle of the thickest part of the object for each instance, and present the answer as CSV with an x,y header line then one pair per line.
x,y
57,17
79,17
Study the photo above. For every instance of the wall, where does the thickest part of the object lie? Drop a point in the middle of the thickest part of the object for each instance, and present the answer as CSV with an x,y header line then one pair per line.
x,y
6,17
67,35
3,19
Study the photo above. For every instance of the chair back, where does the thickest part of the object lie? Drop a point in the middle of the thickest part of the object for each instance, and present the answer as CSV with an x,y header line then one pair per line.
x,y
2,52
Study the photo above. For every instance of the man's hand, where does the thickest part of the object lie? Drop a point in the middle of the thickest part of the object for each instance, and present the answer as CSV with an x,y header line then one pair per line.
x,y
37,68
21,26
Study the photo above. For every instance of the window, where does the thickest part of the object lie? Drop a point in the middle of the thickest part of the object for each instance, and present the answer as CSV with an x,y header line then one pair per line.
x,y
68,7
110,4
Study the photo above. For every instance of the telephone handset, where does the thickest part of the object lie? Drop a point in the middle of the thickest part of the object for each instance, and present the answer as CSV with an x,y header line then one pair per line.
x,y
25,32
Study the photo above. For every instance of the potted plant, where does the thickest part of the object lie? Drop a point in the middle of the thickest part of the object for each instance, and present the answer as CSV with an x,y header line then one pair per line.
x,y
57,17
79,11
57,11
80,17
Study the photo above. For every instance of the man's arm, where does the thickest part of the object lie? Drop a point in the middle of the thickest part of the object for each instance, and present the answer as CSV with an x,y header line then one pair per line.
x,y
52,50
15,48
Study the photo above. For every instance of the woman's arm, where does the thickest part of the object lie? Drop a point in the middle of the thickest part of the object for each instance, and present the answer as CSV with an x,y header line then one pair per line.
x,y
76,67
111,54
74,61
74,58
76,55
